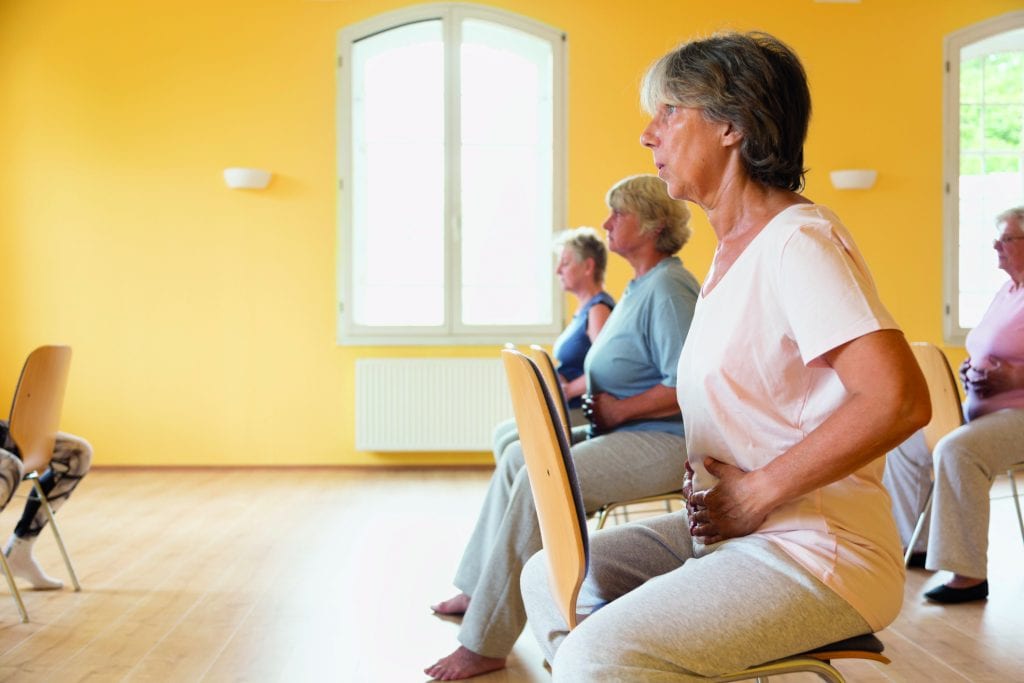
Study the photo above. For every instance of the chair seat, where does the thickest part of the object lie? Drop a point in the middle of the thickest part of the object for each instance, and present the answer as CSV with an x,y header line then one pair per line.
x,y
865,643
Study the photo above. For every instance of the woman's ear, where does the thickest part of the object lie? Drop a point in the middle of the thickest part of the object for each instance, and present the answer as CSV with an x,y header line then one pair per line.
x,y
731,135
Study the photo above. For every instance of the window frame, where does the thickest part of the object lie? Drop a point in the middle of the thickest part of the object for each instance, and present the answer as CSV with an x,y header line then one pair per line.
x,y
453,332
953,333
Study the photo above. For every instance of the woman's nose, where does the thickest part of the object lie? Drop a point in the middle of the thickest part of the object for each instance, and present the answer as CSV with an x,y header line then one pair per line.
x,y
647,138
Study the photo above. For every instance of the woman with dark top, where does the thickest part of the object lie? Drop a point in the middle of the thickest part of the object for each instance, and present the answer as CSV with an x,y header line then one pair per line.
x,y
582,260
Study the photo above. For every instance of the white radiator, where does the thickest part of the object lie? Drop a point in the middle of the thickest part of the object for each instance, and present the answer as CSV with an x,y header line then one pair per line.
x,y
429,404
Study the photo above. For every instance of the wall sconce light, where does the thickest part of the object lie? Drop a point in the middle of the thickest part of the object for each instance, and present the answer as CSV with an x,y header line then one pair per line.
x,y
246,178
854,178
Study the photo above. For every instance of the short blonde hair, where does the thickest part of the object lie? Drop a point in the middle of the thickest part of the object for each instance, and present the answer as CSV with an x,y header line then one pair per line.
x,y
585,243
646,196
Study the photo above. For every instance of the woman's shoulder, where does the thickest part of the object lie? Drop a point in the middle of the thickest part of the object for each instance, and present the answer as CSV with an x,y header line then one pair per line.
x,y
676,277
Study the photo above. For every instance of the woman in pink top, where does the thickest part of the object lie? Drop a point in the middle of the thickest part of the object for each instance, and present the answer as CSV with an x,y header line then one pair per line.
x,y
793,382
968,459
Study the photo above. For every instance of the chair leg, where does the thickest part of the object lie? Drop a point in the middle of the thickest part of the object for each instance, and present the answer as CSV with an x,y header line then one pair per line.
x,y
1016,502
920,526
14,589
45,504
602,517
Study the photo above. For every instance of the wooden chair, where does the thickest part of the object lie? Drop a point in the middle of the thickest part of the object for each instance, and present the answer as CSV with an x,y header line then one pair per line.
x,y
947,414
546,366
35,418
563,522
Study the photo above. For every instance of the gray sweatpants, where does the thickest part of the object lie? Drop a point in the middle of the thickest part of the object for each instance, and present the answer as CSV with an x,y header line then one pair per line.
x,y
658,612
612,467
965,462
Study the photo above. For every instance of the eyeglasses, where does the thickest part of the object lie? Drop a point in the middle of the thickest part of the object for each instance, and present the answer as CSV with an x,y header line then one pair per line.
x,y
1004,240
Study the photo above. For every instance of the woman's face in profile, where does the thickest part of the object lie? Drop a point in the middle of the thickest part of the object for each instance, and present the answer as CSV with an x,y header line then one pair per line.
x,y
1009,245
571,270
688,150
624,234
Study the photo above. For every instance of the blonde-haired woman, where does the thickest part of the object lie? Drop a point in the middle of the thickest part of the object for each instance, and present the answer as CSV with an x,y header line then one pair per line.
x,y
639,449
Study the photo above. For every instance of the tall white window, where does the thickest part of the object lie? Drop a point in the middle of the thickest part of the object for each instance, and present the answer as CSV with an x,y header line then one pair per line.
x,y
984,164
451,155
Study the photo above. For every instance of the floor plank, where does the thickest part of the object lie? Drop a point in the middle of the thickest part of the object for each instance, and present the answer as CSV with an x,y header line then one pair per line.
x,y
326,574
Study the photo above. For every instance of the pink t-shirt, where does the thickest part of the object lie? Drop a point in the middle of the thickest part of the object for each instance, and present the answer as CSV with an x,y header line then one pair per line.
x,y
998,337
752,385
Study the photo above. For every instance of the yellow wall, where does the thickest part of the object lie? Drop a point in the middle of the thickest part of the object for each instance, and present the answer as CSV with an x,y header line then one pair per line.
x,y
203,319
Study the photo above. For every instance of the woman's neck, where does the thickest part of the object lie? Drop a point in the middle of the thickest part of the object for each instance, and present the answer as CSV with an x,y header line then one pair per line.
x,y
644,262
739,217
585,293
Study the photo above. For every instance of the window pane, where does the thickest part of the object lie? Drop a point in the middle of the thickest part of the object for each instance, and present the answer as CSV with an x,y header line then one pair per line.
x,y
970,127
1003,127
398,184
1004,72
970,80
506,157
991,150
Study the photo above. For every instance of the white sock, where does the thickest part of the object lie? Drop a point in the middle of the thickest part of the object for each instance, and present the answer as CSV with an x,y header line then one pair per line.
x,y
19,558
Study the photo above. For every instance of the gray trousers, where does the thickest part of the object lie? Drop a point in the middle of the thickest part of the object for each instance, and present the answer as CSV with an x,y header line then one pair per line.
x,y
612,467
506,433
965,463
658,612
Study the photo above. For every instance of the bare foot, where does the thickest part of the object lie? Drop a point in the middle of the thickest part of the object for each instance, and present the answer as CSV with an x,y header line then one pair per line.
x,y
456,606
461,664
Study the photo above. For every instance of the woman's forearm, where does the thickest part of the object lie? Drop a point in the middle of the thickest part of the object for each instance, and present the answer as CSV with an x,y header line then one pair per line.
x,y
888,401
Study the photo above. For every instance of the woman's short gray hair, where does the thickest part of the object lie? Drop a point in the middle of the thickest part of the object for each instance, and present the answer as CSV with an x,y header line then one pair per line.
x,y
753,81
585,243
646,196
1016,215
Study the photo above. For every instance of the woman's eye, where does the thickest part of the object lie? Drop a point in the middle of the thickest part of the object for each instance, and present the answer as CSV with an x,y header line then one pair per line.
x,y
670,109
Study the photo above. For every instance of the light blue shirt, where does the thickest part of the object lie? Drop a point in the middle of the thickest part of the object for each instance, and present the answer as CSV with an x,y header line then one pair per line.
x,y
640,343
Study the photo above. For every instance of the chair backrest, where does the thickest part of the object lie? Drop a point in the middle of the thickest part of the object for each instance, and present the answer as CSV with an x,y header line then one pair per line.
x,y
547,370
556,492
38,400
947,414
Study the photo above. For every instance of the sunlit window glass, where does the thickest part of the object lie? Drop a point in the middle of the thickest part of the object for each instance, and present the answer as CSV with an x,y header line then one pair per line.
x,y
398,191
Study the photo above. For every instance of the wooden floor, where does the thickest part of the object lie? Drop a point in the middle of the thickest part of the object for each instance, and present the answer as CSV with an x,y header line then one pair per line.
x,y
325,575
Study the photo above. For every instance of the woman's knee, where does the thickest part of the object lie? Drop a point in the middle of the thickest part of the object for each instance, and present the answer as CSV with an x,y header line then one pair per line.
x,y
587,654
959,452
512,462
74,453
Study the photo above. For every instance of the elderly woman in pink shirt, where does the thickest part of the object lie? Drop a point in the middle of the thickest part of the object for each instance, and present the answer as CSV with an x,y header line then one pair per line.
x,y
793,382
967,459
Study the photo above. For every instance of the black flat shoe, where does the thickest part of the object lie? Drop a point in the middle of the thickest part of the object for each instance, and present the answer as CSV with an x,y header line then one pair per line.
x,y
917,560
950,596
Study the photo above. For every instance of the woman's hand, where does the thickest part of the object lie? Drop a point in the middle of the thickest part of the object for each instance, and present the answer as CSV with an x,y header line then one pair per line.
x,y
607,413
600,410
729,509
993,376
